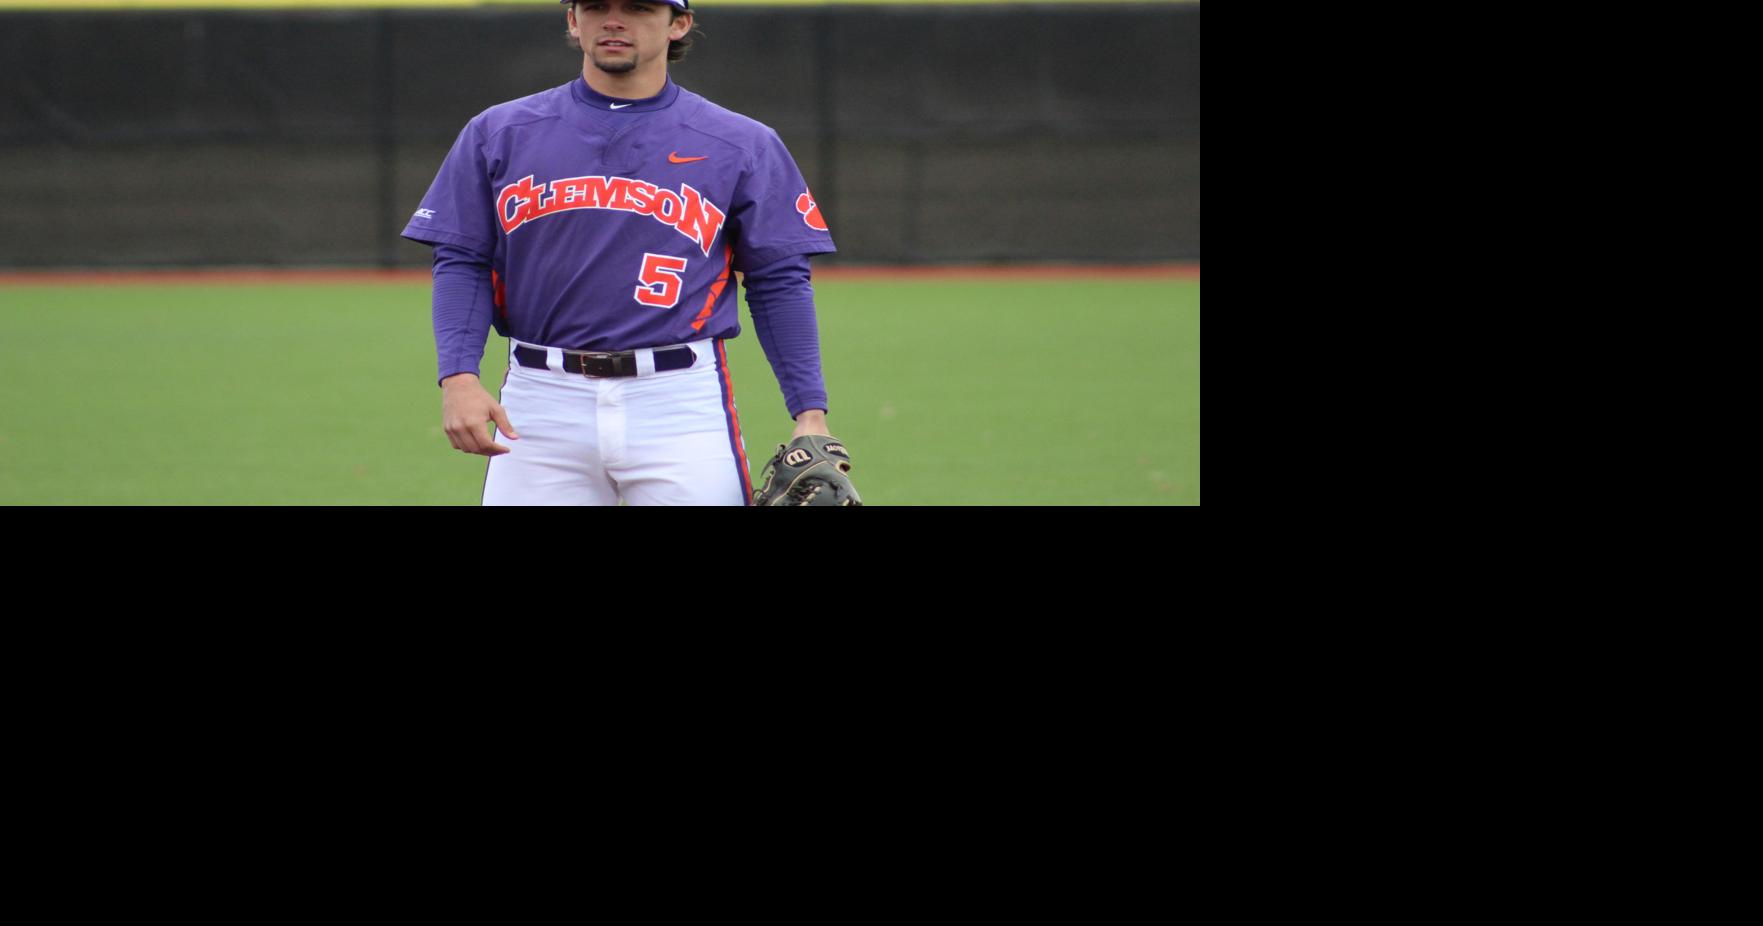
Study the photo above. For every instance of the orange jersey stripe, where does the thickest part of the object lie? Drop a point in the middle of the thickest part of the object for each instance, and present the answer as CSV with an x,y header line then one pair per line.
x,y
728,257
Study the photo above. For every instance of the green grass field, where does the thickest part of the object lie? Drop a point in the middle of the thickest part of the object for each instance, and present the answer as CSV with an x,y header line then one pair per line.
x,y
993,392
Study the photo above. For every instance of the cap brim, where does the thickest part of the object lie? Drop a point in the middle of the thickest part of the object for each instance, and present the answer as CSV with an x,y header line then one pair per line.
x,y
682,4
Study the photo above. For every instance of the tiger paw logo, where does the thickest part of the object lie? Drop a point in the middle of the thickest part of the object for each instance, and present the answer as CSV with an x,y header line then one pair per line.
x,y
810,210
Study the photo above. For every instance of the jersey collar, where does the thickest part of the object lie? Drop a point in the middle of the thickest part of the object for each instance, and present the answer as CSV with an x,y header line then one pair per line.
x,y
586,96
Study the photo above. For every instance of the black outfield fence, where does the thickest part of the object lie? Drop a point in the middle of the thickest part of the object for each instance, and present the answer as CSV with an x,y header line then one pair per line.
x,y
929,134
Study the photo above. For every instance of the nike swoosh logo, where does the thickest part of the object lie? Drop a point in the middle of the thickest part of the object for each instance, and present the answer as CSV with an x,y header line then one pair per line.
x,y
674,158
620,105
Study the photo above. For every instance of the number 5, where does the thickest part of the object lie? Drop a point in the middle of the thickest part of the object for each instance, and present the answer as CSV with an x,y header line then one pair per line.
x,y
661,281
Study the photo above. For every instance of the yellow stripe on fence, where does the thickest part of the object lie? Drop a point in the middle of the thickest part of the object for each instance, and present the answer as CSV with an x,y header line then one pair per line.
x,y
706,5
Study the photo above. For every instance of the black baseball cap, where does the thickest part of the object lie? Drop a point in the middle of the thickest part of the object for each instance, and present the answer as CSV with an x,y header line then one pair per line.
x,y
682,4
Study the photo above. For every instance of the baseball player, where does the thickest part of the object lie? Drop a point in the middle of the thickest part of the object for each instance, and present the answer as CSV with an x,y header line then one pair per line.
x,y
599,226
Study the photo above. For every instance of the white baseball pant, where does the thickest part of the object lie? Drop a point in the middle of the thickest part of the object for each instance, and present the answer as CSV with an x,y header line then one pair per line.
x,y
669,437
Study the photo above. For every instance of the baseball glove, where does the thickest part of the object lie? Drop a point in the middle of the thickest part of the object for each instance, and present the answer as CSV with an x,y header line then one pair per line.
x,y
809,472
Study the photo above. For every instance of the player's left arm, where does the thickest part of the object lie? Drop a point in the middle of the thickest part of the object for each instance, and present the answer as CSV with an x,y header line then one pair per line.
x,y
780,296
778,227
812,421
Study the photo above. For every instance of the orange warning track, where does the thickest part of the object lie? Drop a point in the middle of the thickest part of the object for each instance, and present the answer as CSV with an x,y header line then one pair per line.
x,y
208,277
404,277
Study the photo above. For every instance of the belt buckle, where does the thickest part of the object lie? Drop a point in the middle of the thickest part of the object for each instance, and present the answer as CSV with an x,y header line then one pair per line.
x,y
601,363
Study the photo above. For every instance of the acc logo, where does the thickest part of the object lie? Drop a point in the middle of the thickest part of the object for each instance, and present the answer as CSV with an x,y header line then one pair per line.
x,y
425,213
810,210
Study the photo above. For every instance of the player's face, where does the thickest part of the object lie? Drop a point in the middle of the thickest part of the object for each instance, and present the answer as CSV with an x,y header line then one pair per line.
x,y
621,35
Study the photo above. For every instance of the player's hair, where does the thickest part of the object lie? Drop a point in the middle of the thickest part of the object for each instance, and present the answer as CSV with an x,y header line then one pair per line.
x,y
676,49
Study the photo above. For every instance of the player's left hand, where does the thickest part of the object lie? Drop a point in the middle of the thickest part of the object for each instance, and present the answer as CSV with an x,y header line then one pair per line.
x,y
810,472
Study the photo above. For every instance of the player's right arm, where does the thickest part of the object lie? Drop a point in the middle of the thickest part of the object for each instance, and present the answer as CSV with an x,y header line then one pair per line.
x,y
462,305
458,219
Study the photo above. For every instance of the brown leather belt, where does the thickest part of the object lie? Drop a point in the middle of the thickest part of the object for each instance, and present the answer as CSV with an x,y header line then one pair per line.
x,y
606,363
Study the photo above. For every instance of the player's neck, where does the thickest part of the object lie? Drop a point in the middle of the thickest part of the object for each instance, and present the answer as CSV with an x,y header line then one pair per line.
x,y
635,85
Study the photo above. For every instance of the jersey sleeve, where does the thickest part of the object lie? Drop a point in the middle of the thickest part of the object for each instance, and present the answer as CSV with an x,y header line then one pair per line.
x,y
781,298
464,304
774,213
458,208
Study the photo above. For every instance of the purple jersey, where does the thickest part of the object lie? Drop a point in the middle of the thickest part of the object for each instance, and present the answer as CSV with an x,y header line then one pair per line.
x,y
616,224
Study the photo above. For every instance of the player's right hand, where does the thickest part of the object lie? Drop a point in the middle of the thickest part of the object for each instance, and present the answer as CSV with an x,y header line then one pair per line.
x,y
466,412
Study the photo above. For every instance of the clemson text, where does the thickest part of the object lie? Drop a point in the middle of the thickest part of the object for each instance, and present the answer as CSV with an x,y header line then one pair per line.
x,y
687,211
